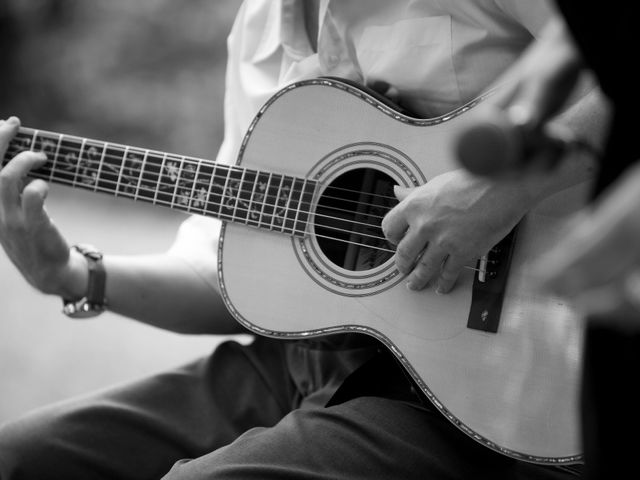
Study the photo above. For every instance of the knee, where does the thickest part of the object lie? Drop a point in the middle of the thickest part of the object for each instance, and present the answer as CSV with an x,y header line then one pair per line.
x,y
15,455
27,450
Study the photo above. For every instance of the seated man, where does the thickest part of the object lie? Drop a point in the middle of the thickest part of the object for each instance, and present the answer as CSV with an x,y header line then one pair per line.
x,y
334,407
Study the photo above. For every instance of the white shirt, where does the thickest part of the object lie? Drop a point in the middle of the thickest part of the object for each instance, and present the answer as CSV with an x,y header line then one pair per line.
x,y
437,54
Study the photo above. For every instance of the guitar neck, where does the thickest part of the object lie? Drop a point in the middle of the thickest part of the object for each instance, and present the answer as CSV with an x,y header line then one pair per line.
x,y
265,200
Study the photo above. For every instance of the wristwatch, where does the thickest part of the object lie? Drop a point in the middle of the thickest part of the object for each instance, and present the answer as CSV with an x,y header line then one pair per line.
x,y
93,303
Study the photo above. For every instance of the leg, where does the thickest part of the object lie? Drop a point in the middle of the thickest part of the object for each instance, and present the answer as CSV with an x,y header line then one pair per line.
x,y
385,433
364,438
140,430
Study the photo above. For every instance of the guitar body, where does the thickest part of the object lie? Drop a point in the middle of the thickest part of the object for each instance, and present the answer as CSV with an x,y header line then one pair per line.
x,y
515,390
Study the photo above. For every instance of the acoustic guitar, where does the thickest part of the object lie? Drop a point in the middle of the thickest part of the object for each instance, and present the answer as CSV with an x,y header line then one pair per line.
x,y
302,254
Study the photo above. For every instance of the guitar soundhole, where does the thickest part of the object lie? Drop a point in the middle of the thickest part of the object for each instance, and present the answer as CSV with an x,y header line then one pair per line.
x,y
348,218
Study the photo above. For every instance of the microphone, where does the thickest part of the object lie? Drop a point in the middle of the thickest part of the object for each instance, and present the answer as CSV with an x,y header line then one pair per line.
x,y
492,144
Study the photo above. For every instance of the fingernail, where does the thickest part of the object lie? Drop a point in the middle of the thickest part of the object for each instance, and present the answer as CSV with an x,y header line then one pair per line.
x,y
13,120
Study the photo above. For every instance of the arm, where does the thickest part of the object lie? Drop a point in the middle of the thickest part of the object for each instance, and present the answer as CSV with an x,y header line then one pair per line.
x,y
596,264
455,218
160,290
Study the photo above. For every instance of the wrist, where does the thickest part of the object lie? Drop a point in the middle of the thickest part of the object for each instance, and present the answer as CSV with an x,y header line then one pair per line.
x,y
92,302
75,277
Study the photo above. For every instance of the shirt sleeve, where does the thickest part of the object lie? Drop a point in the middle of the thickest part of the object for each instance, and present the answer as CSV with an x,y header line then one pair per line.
x,y
531,14
197,244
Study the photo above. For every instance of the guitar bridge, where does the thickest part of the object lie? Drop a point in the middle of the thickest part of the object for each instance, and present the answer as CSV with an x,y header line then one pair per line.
x,y
489,285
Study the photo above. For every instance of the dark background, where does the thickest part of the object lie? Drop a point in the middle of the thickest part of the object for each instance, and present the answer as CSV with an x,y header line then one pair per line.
x,y
146,73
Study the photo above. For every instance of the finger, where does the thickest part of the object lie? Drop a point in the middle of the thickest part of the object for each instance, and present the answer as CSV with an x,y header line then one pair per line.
x,y
449,274
8,130
12,176
409,250
33,197
590,254
394,224
427,268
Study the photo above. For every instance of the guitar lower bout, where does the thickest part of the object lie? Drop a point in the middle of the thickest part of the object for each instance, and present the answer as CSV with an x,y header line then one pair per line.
x,y
323,266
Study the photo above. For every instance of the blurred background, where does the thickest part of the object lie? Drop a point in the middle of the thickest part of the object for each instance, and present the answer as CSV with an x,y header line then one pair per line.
x,y
148,73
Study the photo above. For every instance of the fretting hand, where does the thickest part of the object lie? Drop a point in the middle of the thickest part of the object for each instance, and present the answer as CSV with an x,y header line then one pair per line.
x,y
27,234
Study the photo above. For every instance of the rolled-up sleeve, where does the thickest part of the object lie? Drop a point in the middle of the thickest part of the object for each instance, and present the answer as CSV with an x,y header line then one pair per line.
x,y
196,243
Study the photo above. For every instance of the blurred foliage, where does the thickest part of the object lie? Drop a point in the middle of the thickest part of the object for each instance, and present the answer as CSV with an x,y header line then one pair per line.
x,y
148,73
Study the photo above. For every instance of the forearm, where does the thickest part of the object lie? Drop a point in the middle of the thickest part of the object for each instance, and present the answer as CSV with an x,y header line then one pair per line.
x,y
159,290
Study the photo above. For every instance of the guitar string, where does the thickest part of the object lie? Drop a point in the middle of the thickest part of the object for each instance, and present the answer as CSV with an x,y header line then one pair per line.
x,y
29,133
140,173
246,205
86,171
223,216
204,212
142,151
247,220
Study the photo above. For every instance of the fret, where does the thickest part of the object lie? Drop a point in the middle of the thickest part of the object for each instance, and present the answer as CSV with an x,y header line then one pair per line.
x,y
253,212
192,200
89,165
215,191
225,210
168,182
250,214
110,168
79,163
33,140
20,143
42,142
241,207
185,184
130,172
68,160
202,192
267,192
120,170
260,195
221,202
151,176
274,192
144,161
218,187
232,192
100,165
284,199
293,206
159,179
54,163
302,214
264,188
178,180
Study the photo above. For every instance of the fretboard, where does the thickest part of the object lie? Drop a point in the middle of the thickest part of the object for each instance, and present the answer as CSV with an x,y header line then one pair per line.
x,y
266,200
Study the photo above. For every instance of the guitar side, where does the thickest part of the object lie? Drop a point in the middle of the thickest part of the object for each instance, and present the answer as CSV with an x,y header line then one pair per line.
x,y
514,391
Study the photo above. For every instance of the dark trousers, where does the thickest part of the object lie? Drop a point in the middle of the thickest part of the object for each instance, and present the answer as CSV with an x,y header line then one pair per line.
x,y
255,412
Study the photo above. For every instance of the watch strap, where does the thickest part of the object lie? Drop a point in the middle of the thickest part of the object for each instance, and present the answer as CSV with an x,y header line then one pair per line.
x,y
93,303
